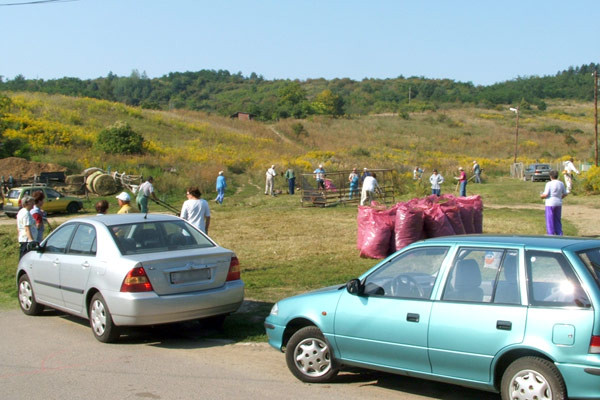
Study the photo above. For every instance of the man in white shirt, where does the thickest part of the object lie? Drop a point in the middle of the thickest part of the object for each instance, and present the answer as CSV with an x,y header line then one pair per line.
x,y
26,225
145,191
195,210
269,183
568,174
369,187
553,194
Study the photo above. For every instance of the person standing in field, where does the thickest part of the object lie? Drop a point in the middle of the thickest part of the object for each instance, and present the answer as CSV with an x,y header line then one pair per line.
x,y
462,180
124,207
291,179
553,194
221,186
38,214
102,207
369,188
477,171
320,177
417,173
271,174
195,210
146,190
353,178
568,174
436,180
27,232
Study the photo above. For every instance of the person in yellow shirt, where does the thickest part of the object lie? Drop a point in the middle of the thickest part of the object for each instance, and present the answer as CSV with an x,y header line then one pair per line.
x,y
124,207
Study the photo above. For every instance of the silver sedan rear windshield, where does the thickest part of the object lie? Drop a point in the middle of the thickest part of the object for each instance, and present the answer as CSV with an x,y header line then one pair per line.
x,y
151,237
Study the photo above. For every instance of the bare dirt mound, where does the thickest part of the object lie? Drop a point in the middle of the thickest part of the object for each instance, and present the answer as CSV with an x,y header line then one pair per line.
x,y
20,168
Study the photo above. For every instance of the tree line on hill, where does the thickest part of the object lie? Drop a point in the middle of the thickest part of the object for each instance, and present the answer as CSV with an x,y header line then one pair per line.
x,y
224,93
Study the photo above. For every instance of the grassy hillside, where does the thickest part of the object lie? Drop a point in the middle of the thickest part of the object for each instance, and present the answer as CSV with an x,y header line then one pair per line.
x,y
186,147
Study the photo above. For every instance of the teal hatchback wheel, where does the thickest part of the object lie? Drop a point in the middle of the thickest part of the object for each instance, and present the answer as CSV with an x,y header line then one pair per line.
x,y
309,357
532,378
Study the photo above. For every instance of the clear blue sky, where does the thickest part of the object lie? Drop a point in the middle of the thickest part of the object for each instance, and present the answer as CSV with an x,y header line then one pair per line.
x,y
478,41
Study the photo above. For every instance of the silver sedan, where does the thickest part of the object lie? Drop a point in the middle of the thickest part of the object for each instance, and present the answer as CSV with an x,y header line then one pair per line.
x,y
130,269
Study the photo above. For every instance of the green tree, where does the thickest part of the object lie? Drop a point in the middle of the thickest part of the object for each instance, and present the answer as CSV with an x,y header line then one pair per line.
x,y
120,139
328,103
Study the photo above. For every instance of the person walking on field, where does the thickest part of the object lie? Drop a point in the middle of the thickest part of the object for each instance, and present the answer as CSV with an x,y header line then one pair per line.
x,y
26,226
462,180
369,187
436,180
553,194
353,178
291,179
146,190
568,174
477,172
269,183
195,210
221,186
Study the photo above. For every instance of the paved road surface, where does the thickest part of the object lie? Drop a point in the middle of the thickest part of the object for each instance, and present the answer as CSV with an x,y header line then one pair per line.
x,y
55,356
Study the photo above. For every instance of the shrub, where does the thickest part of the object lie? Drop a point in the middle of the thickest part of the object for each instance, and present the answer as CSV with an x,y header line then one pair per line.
x,y
590,181
120,139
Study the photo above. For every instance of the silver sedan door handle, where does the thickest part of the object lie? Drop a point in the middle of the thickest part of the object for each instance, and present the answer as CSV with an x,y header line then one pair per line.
x,y
85,264
56,262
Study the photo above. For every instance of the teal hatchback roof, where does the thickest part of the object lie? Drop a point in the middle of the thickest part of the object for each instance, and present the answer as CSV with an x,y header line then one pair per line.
x,y
539,242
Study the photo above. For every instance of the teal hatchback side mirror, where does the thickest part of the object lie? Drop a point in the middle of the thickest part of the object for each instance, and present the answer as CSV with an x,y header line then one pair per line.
x,y
355,287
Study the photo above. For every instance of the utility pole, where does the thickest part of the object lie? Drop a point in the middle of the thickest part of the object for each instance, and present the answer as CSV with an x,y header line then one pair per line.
x,y
516,110
596,114
409,94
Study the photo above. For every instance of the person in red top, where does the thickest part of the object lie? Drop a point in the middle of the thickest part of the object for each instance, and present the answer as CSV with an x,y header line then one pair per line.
x,y
462,180
38,214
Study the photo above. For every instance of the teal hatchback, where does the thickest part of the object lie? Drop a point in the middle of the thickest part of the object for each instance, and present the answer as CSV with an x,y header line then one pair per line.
x,y
511,314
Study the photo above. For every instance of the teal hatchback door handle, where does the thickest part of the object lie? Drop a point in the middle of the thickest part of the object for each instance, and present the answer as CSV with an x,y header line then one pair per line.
x,y
410,317
504,325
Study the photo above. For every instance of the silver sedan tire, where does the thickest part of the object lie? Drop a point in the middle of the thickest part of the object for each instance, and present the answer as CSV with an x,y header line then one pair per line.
x,y
101,321
27,300
532,378
309,356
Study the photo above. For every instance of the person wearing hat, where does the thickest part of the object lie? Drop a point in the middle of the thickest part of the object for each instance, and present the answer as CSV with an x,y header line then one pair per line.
x,y
221,186
124,207
269,183
26,226
462,180
146,190
477,171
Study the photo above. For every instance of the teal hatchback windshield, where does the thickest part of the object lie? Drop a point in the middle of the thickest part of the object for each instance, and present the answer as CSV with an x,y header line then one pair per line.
x,y
151,237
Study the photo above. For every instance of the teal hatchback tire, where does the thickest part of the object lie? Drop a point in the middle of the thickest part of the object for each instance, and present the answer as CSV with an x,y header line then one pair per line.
x,y
309,357
532,378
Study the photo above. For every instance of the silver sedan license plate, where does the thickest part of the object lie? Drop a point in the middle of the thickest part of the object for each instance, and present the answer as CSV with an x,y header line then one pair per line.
x,y
194,275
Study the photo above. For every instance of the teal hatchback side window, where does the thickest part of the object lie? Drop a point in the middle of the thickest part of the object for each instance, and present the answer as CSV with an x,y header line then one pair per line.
x,y
552,281
409,275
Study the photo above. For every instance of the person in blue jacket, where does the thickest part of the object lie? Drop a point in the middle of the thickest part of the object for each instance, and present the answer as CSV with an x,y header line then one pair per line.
x,y
221,185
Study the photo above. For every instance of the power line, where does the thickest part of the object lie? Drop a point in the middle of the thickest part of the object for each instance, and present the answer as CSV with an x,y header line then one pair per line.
x,y
35,2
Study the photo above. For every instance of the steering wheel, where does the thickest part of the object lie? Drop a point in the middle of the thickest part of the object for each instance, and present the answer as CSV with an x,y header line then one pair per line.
x,y
406,286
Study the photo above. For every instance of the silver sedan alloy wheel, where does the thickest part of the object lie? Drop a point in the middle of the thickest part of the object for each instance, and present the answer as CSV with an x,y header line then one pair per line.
x,y
312,357
25,294
98,317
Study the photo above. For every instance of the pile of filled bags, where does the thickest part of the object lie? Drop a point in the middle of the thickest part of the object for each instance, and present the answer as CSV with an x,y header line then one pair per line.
x,y
382,231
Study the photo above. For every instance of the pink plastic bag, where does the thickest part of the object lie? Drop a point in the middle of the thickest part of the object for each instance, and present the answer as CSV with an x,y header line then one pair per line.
x,y
436,223
374,231
471,213
409,225
452,212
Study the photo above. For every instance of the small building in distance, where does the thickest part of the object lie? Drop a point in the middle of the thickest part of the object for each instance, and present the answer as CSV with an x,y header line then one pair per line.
x,y
243,116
